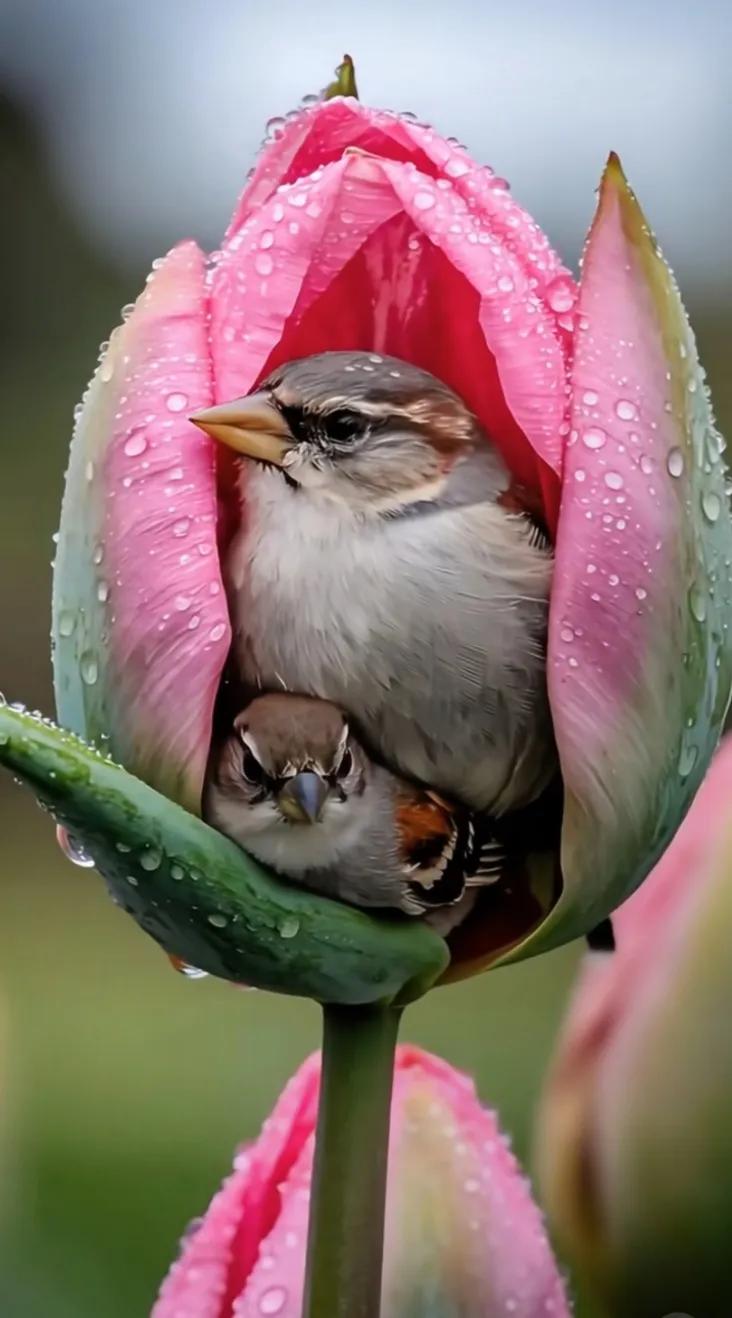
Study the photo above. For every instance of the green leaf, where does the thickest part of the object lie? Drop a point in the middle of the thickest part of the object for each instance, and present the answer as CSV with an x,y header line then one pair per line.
x,y
201,897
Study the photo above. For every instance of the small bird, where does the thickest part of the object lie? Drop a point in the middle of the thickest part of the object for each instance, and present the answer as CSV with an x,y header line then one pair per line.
x,y
293,786
384,563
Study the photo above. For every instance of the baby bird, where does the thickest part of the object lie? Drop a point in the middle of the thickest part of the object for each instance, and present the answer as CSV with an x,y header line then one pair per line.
x,y
381,563
295,788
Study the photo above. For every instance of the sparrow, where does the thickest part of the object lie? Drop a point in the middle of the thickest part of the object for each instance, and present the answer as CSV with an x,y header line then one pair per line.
x,y
382,562
293,786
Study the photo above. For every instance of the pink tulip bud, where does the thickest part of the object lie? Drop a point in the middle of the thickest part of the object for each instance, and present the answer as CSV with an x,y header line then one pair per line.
x,y
362,228
463,1235
635,1139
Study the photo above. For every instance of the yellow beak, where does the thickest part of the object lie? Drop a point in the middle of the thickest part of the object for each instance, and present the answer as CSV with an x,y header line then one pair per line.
x,y
251,425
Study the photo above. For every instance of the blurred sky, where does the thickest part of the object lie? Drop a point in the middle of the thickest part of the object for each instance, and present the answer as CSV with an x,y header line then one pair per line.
x,y
152,109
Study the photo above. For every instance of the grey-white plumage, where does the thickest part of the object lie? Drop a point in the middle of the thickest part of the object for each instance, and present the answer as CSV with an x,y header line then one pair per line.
x,y
413,598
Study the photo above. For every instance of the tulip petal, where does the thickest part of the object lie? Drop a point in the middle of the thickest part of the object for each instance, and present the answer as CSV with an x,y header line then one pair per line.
x,y
140,624
222,1255
201,897
639,660
371,253
634,1137
464,1237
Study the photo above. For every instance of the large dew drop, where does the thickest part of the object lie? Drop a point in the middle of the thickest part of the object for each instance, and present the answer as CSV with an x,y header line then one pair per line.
x,y
73,849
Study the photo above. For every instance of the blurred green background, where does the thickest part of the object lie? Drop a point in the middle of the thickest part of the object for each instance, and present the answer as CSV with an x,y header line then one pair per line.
x,y
123,1087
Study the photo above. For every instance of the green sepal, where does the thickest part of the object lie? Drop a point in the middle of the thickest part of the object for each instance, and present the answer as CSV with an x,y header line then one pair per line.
x,y
202,898
344,81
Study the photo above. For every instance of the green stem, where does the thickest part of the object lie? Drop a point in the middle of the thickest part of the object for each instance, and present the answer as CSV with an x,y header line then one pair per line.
x,y
346,1235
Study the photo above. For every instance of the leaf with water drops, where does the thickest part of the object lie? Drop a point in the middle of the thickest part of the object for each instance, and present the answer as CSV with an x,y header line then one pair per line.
x,y
640,662
199,895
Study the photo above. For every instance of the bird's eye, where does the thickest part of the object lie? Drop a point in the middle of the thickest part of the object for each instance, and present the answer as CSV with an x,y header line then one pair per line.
x,y
344,426
346,764
251,768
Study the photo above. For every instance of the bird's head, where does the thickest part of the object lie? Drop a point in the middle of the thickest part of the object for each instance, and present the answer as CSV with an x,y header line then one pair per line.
x,y
370,431
289,760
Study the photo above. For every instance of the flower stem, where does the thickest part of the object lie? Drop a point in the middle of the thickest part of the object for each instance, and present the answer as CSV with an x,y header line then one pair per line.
x,y
346,1235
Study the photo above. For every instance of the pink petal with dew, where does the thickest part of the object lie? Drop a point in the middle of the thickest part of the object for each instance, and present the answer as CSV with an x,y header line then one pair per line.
x,y
320,135
218,1258
643,529
139,659
461,1224
371,254
614,1011
464,1235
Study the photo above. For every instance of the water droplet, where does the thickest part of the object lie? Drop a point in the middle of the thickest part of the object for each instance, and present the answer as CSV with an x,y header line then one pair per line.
x,y
274,128
273,1300
151,858
505,284
698,603
640,593
646,464
626,410
102,592
456,167
424,200
267,238
73,849
711,505
133,880
89,667
190,972
288,926
263,264
580,475
613,480
561,294
217,920
590,398
687,760
675,462
567,634
181,527
218,631
298,199
594,437
692,386
66,622
194,622
176,402
177,872
182,602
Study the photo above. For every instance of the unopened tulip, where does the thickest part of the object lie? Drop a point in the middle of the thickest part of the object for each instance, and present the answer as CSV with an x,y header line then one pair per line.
x,y
635,1136
464,1238
364,229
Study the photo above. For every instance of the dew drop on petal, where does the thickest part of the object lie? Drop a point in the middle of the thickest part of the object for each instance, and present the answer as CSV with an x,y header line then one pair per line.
x,y
424,200
182,602
218,631
456,167
66,622
89,667
687,760
594,437
675,462
561,294
273,1301
176,402
177,872
590,398
613,480
263,264
135,445
217,920
698,603
711,505
640,593
181,527
626,410
505,284
267,238
191,972
646,464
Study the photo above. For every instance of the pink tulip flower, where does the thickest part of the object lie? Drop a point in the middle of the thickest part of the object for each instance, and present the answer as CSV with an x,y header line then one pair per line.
x,y
360,228
635,1138
463,1235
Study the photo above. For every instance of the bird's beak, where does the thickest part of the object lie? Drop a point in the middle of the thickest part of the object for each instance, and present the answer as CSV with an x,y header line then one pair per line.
x,y
251,425
303,797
